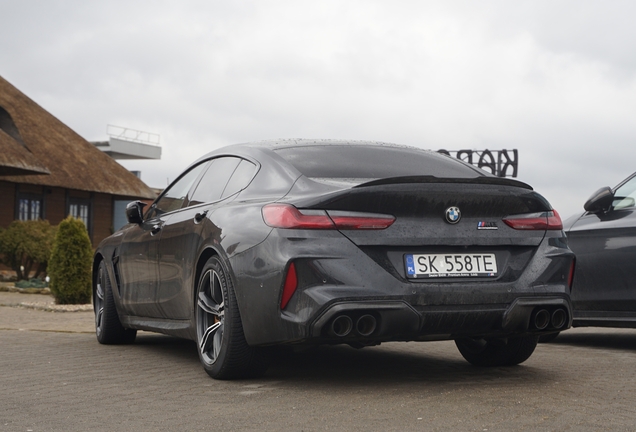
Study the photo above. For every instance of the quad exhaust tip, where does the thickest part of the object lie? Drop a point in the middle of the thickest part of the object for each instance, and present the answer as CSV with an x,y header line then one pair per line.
x,y
543,319
558,318
342,326
366,325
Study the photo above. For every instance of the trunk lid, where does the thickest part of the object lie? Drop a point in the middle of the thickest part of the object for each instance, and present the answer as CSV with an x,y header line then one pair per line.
x,y
420,205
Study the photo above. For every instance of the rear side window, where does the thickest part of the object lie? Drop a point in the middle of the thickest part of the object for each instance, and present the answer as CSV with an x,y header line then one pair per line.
x,y
372,162
241,177
214,180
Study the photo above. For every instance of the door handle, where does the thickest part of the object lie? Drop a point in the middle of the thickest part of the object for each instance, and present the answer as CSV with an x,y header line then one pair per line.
x,y
200,216
155,229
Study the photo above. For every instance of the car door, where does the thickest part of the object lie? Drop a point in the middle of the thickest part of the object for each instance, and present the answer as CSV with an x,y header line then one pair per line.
x,y
139,248
182,235
137,273
605,248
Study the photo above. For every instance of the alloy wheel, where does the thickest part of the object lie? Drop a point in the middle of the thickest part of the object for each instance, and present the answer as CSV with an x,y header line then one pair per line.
x,y
210,316
99,301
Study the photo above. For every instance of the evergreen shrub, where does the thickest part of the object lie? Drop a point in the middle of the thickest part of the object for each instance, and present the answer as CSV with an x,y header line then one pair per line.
x,y
70,263
26,246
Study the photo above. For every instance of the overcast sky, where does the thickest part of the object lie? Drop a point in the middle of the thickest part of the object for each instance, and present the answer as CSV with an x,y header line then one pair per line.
x,y
554,79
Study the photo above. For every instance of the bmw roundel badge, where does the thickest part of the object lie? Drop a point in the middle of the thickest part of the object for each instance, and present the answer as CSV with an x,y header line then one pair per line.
x,y
453,215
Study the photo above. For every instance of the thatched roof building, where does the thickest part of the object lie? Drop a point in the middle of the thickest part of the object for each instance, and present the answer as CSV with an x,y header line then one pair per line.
x,y
48,171
73,162
15,158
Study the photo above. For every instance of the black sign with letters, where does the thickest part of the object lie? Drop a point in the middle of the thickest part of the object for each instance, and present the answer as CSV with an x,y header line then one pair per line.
x,y
502,163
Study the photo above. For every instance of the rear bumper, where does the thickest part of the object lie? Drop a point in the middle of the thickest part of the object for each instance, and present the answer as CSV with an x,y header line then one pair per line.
x,y
398,321
337,279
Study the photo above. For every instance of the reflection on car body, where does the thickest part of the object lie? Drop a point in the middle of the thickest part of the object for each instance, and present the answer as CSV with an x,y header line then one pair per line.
x,y
305,242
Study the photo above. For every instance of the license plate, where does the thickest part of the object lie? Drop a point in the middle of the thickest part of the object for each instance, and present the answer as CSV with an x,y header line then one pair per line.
x,y
450,265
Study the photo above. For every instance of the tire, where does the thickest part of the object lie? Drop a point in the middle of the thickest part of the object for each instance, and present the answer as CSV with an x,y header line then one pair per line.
x,y
108,328
497,352
223,350
549,337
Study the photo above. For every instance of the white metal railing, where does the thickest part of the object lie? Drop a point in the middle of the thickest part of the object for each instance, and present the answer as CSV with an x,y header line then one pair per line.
x,y
133,135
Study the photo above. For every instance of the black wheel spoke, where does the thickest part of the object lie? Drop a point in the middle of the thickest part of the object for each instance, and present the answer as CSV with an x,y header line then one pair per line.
x,y
215,289
217,341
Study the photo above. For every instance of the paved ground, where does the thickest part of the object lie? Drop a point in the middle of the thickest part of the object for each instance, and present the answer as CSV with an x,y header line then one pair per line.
x,y
56,377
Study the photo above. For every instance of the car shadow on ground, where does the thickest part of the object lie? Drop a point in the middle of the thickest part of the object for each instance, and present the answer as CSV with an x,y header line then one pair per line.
x,y
612,339
342,365
406,363
170,347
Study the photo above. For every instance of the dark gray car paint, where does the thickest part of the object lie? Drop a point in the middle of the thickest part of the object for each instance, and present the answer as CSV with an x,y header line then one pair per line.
x,y
604,292
334,273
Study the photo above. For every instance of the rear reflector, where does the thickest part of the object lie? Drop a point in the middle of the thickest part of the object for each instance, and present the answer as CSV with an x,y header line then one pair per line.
x,y
291,283
289,217
535,221
571,275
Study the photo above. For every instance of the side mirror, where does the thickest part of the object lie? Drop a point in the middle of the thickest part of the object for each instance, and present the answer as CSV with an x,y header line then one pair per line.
x,y
134,212
600,201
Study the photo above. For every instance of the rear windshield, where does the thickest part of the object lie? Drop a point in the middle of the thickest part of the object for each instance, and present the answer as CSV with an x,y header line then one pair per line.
x,y
372,162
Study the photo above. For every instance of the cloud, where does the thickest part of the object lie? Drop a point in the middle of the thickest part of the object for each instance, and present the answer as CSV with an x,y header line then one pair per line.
x,y
555,80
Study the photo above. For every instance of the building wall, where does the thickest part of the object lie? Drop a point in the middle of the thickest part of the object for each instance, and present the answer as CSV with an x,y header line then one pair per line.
x,y
55,206
102,217
7,203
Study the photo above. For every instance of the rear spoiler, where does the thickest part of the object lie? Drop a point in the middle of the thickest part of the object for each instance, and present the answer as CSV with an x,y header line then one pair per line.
x,y
432,179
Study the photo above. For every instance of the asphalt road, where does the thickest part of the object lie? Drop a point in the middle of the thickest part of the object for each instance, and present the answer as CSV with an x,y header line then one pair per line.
x,y
56,377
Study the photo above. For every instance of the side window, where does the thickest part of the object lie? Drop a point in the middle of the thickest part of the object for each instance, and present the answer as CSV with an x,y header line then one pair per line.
x,y
625,196
174,197
243,175
214,180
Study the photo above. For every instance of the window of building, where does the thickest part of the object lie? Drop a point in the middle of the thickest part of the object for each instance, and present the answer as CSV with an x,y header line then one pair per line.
x,y
30,207
80,209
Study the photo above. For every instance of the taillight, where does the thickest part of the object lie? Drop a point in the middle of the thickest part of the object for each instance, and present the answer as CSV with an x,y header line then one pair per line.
x,y
288,216
357,221
549,220
291,283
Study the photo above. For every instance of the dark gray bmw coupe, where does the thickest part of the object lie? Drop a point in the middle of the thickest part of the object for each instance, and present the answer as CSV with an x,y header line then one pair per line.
x,y
333,242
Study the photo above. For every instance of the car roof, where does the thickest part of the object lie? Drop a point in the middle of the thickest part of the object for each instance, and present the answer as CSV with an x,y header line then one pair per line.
x,y
253,149
275,144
